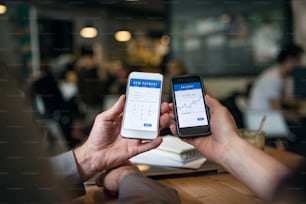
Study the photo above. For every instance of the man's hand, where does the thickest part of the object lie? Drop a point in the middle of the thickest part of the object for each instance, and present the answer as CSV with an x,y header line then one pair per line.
x,y
110,179
105,148
223,129
237,156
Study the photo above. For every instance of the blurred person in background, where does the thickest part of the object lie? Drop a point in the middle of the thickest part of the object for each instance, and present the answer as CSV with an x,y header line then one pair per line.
x,y
118,77
267,92
175,67
90,82
97,78
49,101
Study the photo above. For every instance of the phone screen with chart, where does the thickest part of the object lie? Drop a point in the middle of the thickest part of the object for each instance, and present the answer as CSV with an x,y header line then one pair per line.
x,y
143,103
190,105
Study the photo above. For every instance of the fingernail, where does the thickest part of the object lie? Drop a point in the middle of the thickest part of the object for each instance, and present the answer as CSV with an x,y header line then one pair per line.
x,y
208,94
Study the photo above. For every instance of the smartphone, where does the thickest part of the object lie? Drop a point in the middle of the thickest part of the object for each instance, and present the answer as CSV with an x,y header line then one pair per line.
x,y
142,107
191,112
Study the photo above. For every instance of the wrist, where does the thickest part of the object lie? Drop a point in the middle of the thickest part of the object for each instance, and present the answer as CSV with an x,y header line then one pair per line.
x,y
86,162
231,150
129,170
112,178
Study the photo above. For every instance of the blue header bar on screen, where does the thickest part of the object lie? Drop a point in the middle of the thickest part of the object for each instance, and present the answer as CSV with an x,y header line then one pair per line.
x,y
145,83
187,86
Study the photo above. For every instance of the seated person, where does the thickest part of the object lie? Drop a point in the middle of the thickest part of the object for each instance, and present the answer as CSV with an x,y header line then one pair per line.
x,y
267,92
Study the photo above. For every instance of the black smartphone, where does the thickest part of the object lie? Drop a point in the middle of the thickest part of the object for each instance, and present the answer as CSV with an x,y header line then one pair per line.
x,y
191,112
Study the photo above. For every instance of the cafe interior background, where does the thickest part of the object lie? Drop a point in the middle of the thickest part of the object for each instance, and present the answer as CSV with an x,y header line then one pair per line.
x,y
81,52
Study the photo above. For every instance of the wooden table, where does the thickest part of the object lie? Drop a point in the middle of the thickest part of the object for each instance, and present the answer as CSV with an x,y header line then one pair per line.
x,y
217,188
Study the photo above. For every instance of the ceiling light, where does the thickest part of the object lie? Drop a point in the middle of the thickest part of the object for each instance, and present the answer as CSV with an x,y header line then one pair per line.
x,y
123,36
89,32
3,9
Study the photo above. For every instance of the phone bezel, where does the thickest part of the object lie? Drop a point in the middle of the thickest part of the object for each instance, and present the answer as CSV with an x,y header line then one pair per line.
x,y
141,134
203,130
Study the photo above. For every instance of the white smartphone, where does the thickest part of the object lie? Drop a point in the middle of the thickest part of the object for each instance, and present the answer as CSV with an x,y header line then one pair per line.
x,y
142,106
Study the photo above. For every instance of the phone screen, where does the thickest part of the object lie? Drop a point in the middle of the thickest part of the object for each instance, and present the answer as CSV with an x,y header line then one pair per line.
x,y
190,105
142,108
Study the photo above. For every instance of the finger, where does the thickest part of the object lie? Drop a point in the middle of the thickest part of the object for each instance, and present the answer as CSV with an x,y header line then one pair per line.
x,y
100,179
171,115
171,106
171,112
173,129
209,94
143,147
164,108
116,110
164,120
211,102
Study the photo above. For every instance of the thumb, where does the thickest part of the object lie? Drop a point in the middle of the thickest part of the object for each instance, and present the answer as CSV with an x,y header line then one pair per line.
x,y
211,102
116,109
146,146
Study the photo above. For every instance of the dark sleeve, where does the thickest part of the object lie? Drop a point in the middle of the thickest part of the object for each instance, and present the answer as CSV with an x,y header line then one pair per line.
x,y
293,188
135,189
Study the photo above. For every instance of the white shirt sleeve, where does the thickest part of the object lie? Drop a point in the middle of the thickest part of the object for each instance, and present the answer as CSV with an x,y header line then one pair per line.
x,y
267,87
273,88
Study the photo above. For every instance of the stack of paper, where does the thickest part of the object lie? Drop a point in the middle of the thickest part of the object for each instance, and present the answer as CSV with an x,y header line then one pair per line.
x,y
172,152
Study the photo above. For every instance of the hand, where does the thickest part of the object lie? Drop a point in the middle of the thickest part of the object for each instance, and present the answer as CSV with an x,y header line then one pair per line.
x,y
223,128
105,148
111,179
236,155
